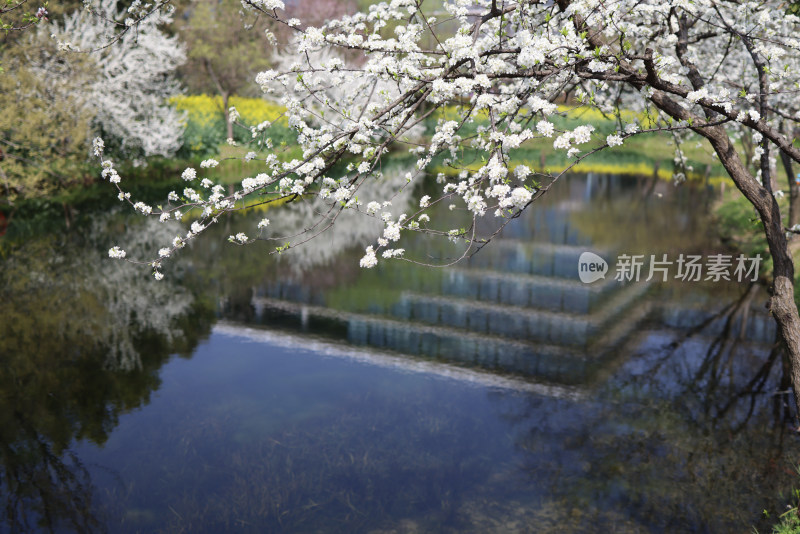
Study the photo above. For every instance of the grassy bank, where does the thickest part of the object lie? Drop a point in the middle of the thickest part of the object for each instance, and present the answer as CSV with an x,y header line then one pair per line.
x,y
740,228
789,523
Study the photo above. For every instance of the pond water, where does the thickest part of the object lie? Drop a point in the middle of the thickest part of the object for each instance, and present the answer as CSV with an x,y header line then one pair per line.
x,y
300,393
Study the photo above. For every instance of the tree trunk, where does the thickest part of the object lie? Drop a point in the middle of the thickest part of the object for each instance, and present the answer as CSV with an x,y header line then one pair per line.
x,y
794,187
225,97
794,190
781,304
225,107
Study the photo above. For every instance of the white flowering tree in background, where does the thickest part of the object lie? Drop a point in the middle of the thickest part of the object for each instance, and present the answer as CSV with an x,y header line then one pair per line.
x,y
134,76
115,83
710,67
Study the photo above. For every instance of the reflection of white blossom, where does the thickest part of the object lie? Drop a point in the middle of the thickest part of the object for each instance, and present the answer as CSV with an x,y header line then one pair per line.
x,y
351,228
133,302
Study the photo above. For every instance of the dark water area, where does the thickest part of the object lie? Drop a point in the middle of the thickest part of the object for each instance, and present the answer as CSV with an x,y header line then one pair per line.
x,y
249,392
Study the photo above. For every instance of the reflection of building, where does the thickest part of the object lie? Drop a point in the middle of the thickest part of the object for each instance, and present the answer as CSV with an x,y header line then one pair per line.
x,y
515,307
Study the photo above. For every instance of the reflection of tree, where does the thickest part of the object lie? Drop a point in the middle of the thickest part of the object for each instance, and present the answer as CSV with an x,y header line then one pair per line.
x,y
77,353
148,307
677,440
231,272
739,393
352,228
51,487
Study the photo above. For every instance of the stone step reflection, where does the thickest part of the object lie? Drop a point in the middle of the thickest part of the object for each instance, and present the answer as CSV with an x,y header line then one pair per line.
x,y
517,306
544,361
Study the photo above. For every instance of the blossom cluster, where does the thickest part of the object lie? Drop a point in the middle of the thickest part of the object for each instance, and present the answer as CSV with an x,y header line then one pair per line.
x,y
491,87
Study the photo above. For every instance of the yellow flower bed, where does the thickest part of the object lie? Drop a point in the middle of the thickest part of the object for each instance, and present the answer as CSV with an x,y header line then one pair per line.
x,y
204,110
590,115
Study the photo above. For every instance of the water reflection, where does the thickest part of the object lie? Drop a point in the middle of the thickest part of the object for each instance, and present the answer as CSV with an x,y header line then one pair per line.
x,y
517,306
678,378
82,341
231,273
502,395
672,438
350,228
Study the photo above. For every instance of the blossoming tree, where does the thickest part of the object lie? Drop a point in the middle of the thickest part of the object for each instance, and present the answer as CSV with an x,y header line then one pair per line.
x,y
53,101
706,66
135,75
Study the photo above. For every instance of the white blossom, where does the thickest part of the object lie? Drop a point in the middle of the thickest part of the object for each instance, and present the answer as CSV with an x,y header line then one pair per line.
x,y
143,208
563,140
545,128
520,197
189,174
582,134
233,114
268,5
116,253
97,146
494,83
369,260
134,78
631,128
522,171
392,231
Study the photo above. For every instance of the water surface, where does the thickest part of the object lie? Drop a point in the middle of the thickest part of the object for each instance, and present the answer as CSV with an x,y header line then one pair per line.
x,y
303,394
